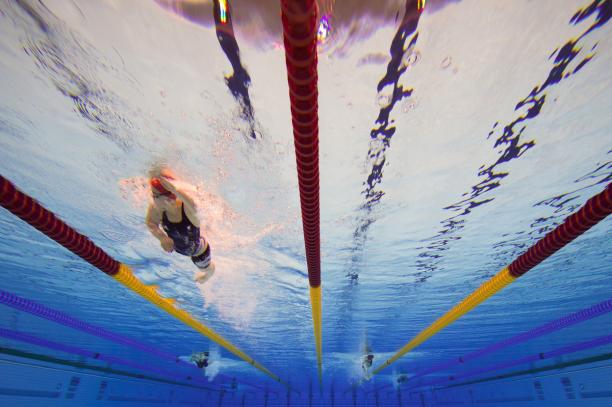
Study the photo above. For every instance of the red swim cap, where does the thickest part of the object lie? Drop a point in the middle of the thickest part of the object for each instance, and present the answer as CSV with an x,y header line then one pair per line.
x,y
156,185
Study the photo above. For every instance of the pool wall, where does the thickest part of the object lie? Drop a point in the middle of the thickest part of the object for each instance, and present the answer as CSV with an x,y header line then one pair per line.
x,y
31,379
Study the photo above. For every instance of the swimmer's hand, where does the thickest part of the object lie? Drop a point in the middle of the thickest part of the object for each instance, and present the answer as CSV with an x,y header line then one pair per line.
x,y
167,244
167,178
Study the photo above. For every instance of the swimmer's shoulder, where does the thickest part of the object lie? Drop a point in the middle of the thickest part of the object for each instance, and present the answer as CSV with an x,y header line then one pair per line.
x,y
192,215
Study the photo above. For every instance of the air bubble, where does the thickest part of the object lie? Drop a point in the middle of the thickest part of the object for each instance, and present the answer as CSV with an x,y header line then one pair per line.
x,y
446,62
409,104
411,57
384,100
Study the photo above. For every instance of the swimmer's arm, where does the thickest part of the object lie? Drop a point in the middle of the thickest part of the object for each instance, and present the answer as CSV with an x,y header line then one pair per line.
x,y
153,221
190,205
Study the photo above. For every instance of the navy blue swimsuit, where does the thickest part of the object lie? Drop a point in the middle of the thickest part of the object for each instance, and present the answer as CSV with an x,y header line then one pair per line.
x,y
186,238
184,234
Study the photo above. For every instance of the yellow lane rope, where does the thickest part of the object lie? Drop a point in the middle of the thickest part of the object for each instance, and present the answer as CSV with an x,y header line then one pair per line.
x,y
315,301
487,289
126,277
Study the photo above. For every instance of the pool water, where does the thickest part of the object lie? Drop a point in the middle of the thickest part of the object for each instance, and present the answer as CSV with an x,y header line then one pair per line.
x,y
451,140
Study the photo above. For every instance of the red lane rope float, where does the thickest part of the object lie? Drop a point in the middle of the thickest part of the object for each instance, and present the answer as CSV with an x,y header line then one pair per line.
x,y
300,25
40,218
595,209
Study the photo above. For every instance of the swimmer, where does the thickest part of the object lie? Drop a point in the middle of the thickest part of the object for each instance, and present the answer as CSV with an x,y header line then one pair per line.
x,y
367,363
402,378
200,359
368,356
172,218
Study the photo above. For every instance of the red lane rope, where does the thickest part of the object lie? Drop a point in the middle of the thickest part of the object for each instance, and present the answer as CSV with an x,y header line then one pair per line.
x,y
594,210
46,222
300,37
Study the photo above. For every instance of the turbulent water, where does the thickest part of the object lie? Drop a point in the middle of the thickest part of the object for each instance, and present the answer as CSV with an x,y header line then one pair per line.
x,y
450,141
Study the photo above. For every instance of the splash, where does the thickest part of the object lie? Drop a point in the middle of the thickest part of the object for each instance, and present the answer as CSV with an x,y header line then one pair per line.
x,y
214,363
233,290
350,364
217,218
233,238
220,366
136,191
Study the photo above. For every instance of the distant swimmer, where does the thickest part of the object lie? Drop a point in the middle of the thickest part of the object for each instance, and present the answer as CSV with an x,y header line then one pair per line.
x,y
172,218
367,363
201,359
402,378
368,356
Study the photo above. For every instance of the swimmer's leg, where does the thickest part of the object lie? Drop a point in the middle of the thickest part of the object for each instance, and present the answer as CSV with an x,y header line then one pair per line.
x,y
205,264
202,276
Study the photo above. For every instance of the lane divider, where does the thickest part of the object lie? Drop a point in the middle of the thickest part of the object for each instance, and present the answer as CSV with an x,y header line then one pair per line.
x,y
535,370
593,211
126,277
575,347
34,308
39,310
553,326
33,340
46,222
82,365
300,25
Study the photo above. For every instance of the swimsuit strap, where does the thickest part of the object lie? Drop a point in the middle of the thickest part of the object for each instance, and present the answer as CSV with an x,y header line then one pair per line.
x,y
165,218
184,215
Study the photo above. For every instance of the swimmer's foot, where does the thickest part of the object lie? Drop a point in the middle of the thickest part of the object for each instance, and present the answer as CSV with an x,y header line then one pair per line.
x,y
202,276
